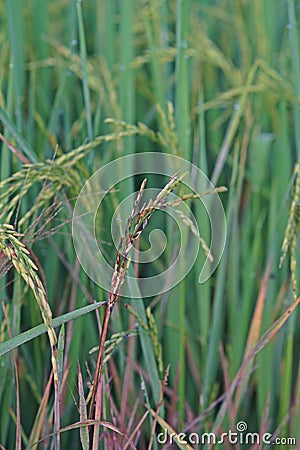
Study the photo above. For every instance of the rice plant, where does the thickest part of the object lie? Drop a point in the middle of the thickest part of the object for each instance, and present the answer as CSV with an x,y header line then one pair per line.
x,y
83,83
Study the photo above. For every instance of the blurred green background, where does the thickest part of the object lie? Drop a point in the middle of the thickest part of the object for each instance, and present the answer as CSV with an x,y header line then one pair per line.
x,y
218,82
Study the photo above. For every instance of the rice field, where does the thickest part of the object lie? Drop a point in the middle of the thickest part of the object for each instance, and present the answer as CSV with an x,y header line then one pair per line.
x,y
145,94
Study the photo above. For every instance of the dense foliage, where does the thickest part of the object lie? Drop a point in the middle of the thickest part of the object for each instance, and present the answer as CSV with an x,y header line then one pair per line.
x,y
217,83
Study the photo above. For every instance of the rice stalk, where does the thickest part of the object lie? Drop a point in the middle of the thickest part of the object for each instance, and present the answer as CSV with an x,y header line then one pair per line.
x,y
63,172
155,340
19,256
292,228
137,221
